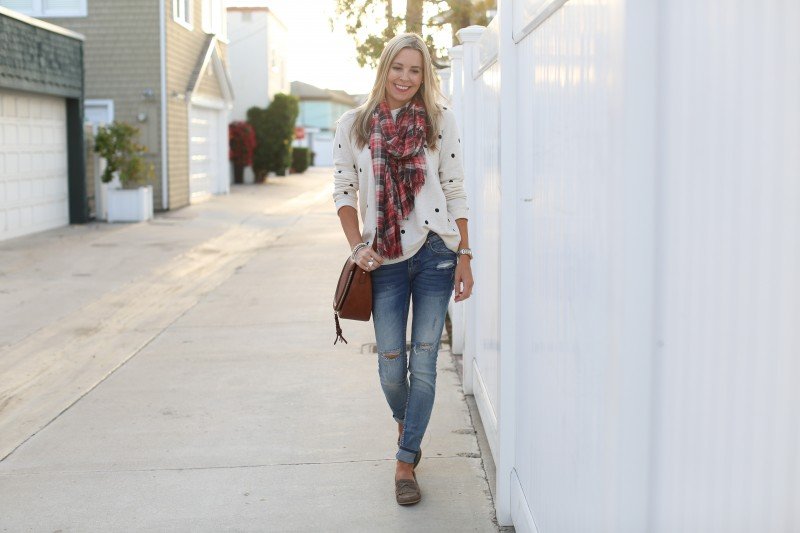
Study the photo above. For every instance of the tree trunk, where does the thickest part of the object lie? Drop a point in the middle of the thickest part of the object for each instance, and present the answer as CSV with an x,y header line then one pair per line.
x,y
464,13
389,32
414,16
238,173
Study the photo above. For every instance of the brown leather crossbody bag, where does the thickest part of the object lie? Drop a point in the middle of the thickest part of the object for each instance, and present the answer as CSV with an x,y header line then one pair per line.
x,y
353,297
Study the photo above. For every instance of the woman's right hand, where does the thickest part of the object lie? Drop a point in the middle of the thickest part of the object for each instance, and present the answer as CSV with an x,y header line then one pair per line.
x,y
368,259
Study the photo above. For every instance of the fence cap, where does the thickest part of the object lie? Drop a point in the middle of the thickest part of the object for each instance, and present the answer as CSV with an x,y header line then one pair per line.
x,y
470,34
456,52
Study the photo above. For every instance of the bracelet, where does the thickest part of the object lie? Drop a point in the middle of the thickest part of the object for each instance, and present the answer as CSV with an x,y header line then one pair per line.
x,y
356,248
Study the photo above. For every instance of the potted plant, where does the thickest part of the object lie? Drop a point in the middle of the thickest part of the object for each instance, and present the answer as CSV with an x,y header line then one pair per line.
x,y
130,196
241,143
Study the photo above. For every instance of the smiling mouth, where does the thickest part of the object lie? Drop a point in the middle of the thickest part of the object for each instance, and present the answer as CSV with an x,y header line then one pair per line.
x,y
402,87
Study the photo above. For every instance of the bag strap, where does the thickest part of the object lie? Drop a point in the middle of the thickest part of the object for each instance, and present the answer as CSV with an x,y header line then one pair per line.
x,y
338,330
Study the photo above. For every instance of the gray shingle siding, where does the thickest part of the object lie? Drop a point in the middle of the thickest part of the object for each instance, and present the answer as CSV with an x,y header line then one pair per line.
x,y
34,59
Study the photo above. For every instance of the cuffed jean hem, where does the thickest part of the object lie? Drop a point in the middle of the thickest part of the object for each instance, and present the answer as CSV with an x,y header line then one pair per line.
x,y
398,420
405,455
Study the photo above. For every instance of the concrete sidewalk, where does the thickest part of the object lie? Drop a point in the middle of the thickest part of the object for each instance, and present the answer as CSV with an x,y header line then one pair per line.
x,y
179,375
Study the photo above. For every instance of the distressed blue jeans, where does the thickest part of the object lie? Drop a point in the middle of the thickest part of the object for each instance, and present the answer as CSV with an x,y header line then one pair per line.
x,y
408,378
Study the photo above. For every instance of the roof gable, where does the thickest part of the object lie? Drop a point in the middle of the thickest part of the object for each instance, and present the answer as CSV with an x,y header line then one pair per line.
x,y
210,57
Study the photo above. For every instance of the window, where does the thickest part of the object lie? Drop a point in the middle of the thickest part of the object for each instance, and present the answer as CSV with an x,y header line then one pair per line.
x,y
47,8
182,12
214,17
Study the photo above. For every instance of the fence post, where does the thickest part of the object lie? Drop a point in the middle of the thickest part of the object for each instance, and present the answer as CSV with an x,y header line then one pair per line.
x,y
456,54
457,310
444,76
506,434
469,37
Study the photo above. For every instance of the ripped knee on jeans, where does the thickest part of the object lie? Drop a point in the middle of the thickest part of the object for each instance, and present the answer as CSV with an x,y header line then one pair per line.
x,y
426,347
390,354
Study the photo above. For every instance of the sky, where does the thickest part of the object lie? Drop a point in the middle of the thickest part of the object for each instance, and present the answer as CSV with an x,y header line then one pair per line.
x,y
317,55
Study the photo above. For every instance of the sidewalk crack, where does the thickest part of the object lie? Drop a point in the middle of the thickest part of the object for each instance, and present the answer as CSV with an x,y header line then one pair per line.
x,y
213,467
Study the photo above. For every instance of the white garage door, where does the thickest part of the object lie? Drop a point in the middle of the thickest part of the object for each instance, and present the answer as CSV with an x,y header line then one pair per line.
x,y
33,163
322,145
204,152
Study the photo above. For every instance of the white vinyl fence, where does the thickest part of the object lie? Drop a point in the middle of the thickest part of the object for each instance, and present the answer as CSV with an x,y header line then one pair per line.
x,y
633,343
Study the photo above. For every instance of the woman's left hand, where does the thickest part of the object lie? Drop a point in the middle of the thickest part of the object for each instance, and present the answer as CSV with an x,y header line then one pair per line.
x,y
463,284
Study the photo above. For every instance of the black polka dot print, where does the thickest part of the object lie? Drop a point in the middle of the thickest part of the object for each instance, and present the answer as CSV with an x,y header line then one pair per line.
x,y
340,146
426,222
345,192
451,181
402,231
440,136
453,156
437,209
340,172
445,108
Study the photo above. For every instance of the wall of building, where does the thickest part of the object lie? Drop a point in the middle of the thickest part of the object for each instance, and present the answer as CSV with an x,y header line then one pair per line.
x,y
322,114
257,58
277,52
248,31
122,61
185,48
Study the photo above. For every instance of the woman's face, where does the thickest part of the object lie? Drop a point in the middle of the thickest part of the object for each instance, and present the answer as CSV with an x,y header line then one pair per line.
x,y
404,78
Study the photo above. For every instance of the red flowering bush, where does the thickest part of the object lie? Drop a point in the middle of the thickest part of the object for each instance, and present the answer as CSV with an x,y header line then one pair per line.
x,y
242,143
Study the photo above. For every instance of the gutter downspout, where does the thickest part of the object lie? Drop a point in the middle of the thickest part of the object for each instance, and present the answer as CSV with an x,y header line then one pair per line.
x,y
163,60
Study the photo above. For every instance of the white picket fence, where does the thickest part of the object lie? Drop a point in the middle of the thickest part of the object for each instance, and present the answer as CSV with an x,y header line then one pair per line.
x,y
633,343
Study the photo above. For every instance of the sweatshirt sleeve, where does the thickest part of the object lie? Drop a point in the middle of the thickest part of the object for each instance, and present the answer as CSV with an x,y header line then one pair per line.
x,y
345,180
451,167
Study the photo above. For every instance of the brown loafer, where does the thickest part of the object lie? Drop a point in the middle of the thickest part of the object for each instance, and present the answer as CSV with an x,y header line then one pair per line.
x,y
407,491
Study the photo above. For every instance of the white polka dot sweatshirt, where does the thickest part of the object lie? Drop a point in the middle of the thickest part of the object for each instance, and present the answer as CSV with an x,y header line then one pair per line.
x,y
438,204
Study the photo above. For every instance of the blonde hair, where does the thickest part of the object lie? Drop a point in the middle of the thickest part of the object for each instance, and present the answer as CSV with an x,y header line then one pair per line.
x,y
428,94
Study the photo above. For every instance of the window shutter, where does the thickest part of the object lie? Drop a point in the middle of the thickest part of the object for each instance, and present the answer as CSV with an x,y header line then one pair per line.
x,y
62,7
23,6
180,10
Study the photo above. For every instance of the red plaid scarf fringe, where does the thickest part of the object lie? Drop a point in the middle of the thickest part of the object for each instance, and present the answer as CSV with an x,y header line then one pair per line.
x,y
398,163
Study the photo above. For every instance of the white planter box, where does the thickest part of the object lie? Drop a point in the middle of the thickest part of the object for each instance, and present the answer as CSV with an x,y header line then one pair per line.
x,y
130,205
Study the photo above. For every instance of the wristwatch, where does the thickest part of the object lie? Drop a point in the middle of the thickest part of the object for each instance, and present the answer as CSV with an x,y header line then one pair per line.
x,y
465,251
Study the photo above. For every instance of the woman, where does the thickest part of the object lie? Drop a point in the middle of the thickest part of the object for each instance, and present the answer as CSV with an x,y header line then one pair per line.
x,y
401,151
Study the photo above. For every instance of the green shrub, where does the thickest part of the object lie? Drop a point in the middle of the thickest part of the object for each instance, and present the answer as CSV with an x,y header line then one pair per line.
x,y
301,159
116,143
274,128
257,118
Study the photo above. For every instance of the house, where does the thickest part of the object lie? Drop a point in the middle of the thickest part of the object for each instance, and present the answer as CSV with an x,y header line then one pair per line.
x,y
319,111
160,66
42,176
257,51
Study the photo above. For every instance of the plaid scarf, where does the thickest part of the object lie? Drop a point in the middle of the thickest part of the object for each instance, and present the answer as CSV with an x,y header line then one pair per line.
x,y
398,163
